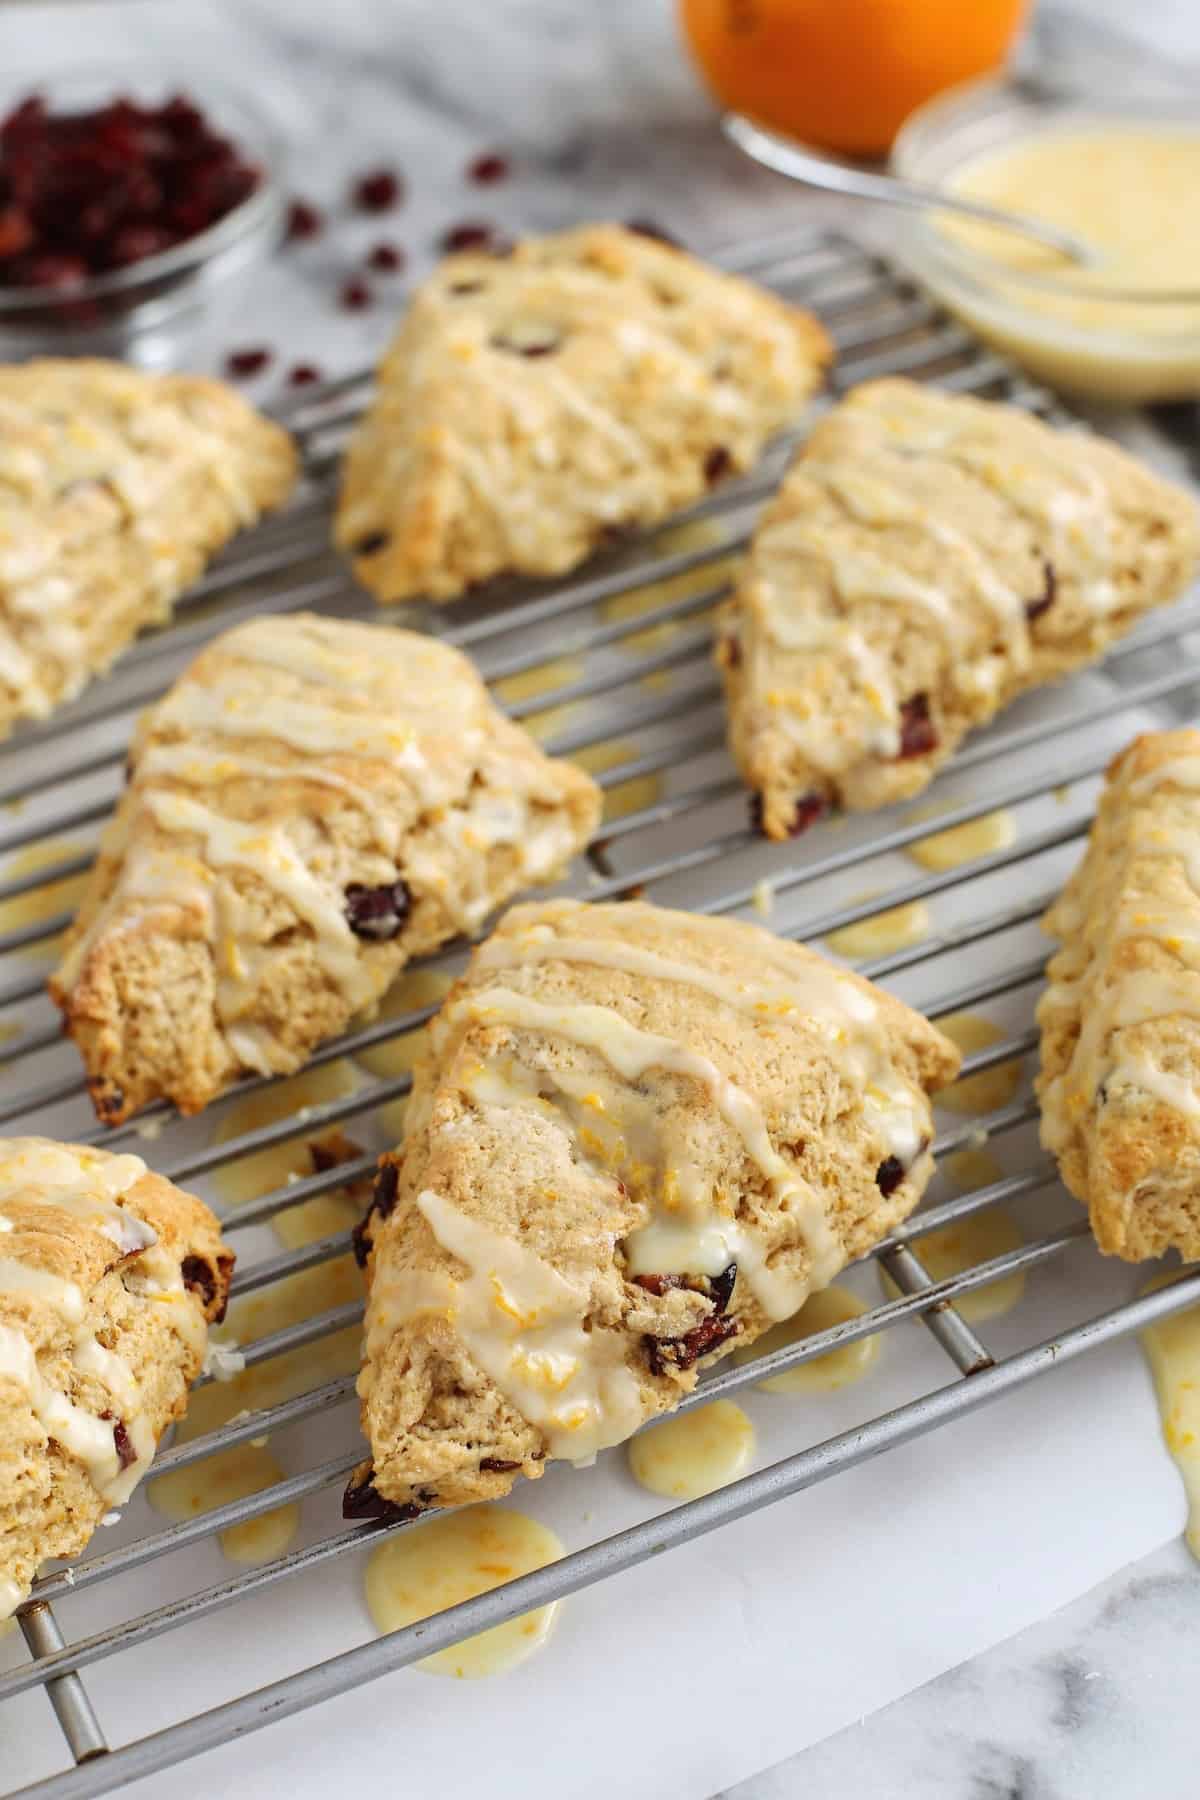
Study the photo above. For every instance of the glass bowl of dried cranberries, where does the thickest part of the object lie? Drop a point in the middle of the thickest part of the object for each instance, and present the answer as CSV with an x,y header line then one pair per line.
x,y
129,209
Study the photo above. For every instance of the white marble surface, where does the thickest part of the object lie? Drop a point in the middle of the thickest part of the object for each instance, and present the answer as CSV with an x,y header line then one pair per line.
x,y
601,117
1096,1701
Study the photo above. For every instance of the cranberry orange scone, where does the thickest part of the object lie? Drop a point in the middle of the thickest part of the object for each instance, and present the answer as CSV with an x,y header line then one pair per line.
x,y
115,489
533,404
1120,1019
313,803
109,1279
638,1135
928,558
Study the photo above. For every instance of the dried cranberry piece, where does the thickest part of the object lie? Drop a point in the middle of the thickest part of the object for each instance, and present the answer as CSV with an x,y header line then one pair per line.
x,y
378,913
721,1287
889,1175
473,234
244,363
1045,600
355,295
383,1202
378,191
198,1278
809,808
304,220
489,168
134,243
362,1500
918,735
717,463
387,258
372,543
107,1098
324,1156
57,270
16,233
303,374
27,119
536,341
387,1184
682,1352
360,1243
496,1465
660,1284
126,1454
649,229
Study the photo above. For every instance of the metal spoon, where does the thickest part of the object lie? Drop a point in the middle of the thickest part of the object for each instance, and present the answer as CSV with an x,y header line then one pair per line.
x,y
843,178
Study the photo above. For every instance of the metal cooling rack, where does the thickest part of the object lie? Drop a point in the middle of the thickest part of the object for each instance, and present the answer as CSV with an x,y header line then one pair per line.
x,y
688,843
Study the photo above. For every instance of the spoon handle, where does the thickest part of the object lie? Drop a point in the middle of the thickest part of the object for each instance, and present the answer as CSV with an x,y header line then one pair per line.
x,y
842,178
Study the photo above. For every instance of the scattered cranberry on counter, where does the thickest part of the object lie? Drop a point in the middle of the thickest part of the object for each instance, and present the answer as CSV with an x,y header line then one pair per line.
x,y
378,191
356,296
303,375
304,220
84,193
488,169
473,234
387,258
241,364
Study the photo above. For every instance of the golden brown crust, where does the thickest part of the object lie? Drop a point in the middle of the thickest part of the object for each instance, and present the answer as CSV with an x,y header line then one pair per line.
x,y
1120,1018
116,487
109,1276
301,771
928,558
602,1080
531,406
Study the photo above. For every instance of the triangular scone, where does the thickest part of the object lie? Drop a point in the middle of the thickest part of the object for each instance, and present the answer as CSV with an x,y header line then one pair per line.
x,y
109,1280
1120,1018
928,558
534,405
313,803
115,489
639,1137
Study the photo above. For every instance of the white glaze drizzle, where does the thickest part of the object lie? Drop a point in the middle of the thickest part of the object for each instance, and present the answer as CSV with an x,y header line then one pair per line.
x,y
523,1323
818,992
631,1052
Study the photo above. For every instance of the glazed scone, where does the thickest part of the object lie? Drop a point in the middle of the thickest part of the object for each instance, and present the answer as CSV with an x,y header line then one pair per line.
x,y
1120,1019
109,1280
313,803
638,1135
928,558
532,406
116,487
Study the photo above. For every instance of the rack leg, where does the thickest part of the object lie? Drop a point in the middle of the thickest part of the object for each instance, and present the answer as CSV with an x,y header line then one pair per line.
x,y
66,1693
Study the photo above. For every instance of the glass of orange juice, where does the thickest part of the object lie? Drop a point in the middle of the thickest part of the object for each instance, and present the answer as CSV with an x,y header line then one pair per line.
x,y
843,74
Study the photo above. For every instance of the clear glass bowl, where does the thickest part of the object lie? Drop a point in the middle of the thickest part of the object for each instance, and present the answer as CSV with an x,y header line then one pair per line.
x,y
145,313
1071,329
